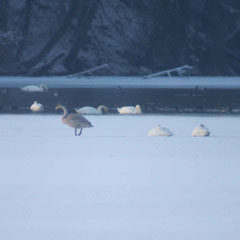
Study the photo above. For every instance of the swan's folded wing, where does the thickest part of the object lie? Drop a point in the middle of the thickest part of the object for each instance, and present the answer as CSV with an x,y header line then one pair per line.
x,y
77,121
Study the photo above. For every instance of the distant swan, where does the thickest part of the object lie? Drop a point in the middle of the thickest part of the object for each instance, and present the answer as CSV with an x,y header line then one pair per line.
x,y
160,131
200,131
92,110
130,110
36,107
74,120
34,88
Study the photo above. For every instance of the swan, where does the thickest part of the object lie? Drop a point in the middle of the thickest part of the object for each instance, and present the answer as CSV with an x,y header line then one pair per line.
x,y
36,107
160,131
35,88
92,110
74,120
130,110
200,131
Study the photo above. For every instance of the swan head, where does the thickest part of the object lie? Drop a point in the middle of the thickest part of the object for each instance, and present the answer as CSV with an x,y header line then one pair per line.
x,y
43,87
139,109
103,108
59,106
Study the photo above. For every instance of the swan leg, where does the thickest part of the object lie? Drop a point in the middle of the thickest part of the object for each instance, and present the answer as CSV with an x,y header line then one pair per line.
x,y
80,132
76,132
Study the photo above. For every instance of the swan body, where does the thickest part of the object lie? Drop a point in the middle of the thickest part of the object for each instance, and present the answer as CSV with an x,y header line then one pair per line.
x,y
36,107
200,131
92,110
35,88
160,131
130,110
74,120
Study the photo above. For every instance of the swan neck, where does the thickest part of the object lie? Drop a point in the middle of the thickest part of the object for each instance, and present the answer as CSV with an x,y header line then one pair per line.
x,y
43,87
102,108
138,108
65,111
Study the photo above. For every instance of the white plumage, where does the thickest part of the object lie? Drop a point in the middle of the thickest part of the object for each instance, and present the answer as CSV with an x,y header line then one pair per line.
x,y
130,110
34,88
36,107
200,131
92,110
160,131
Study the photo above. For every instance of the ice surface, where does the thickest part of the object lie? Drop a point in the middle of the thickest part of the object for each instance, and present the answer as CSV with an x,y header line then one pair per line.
x,y
128,82
115,182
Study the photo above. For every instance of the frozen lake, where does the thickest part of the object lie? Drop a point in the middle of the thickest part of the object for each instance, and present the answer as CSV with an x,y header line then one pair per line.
x,y
115,182
124,82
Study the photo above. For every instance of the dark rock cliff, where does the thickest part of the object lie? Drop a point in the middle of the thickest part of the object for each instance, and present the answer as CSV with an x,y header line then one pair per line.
x,y
135,37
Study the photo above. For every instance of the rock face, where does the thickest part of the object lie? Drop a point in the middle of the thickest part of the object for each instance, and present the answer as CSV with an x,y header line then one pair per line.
x,y
134,37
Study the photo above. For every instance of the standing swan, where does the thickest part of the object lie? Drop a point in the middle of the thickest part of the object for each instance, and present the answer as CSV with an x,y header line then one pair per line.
x,y
200,131
130,110
92,110
74,120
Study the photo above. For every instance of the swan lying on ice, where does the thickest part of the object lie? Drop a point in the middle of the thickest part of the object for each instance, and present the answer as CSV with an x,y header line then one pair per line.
x,y
92,110
36,107
35,88
160,131
200,131
130,110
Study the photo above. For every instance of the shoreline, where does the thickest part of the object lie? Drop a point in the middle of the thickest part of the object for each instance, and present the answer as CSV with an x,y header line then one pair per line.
x,y
152,100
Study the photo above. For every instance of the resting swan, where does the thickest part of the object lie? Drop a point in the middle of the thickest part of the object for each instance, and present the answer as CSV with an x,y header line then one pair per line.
x,y
160,131
36,107
200,131
130,110
92,110
74,120
34,88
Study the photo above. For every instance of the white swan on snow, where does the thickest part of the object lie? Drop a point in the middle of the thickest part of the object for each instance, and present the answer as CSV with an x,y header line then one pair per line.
x,y
130,110
160,131
35,88
200,131
92,110
36,107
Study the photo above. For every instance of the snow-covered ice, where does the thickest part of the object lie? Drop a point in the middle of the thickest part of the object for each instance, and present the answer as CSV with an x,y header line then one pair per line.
x,y
114,182
124,82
